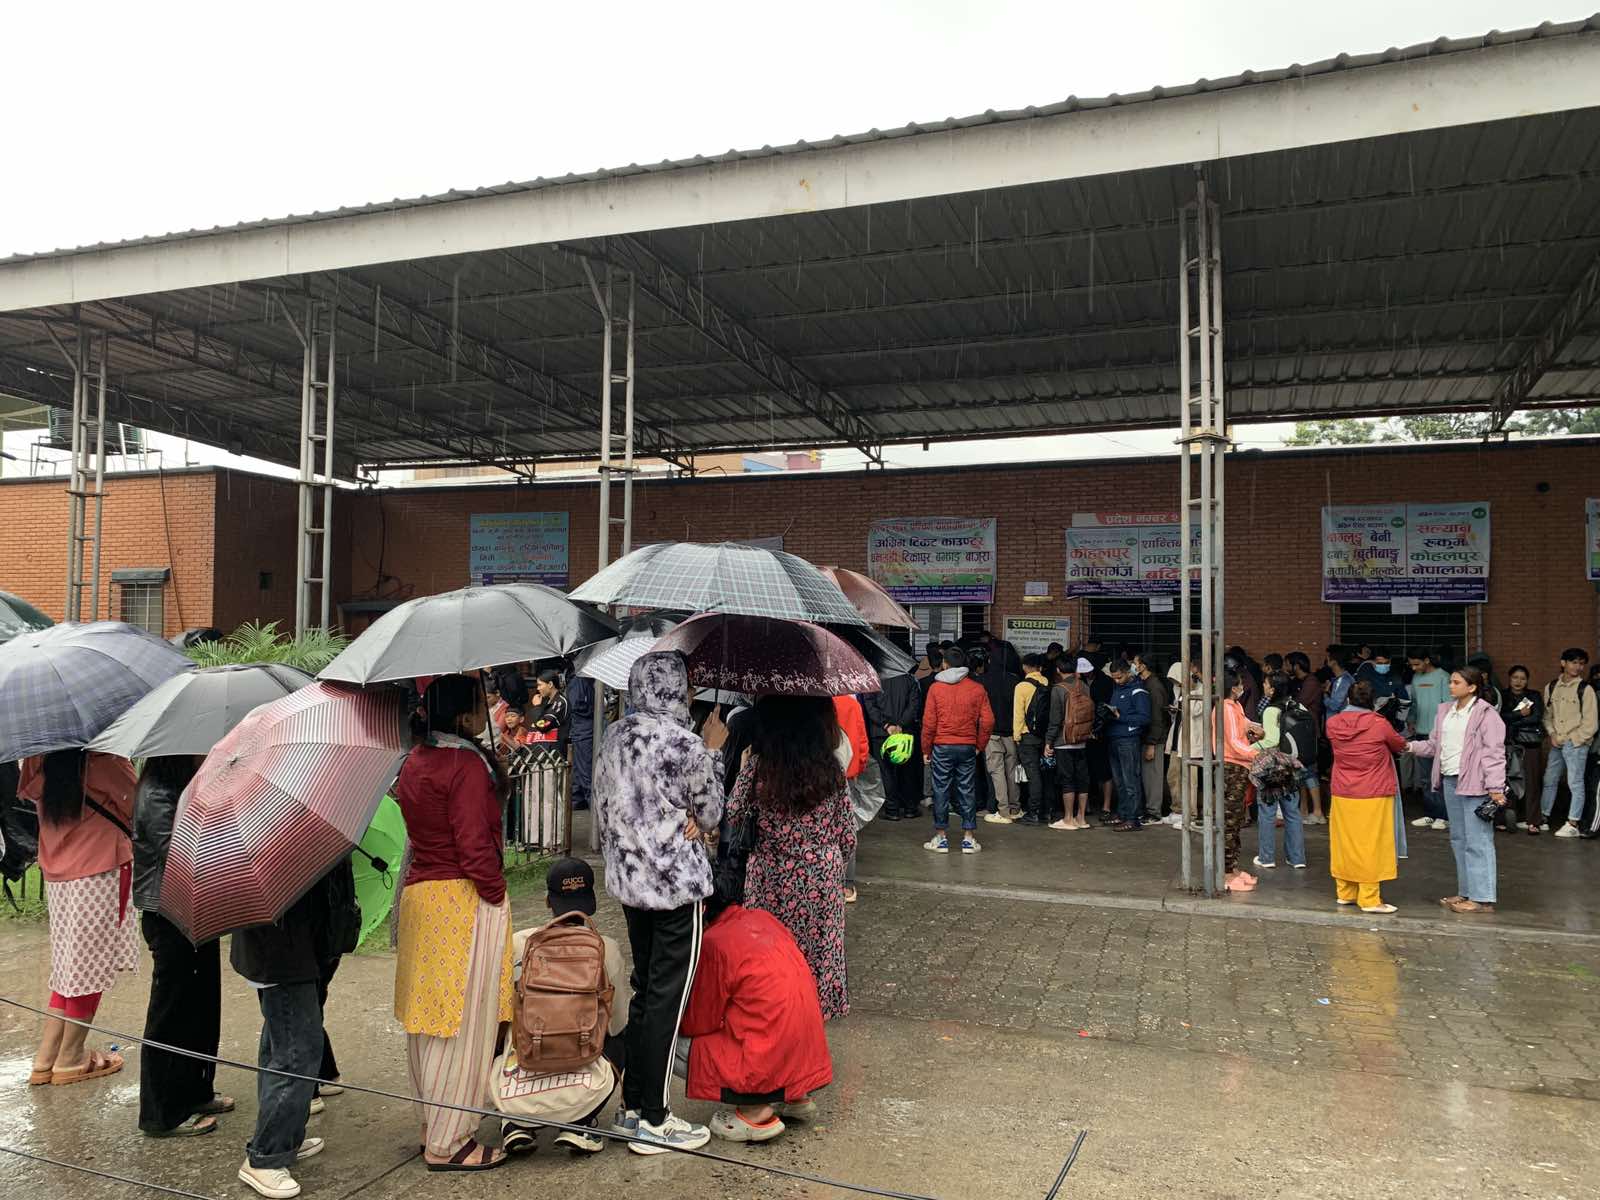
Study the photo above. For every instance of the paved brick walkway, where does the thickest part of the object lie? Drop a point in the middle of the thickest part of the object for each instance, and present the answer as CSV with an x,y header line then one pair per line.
x,y
1489,1012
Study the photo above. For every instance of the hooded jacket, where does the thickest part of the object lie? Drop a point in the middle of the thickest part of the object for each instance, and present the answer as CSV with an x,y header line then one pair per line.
x,y
653,774
1483,749
958,712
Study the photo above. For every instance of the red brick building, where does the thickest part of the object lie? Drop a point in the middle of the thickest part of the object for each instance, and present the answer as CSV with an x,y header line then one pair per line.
x,y
227,538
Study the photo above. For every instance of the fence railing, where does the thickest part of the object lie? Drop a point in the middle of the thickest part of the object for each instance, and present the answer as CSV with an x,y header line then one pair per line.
x,y
539,808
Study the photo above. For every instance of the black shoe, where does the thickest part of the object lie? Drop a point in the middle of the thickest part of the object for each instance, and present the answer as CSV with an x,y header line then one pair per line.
x,y
1588,835
519,1140
889,815
1030,819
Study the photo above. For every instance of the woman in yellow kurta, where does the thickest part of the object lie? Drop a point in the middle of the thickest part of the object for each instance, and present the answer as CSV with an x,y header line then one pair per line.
x,y
452,983
1361,853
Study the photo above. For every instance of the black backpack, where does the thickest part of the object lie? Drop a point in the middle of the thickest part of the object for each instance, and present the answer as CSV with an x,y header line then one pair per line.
x,y
19,831
1036,717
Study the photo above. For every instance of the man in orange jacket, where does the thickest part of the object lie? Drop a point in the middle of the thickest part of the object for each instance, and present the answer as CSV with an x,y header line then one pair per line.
x,y
956,725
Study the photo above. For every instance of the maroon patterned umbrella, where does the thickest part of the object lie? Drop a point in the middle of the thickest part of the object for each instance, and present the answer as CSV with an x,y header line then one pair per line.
x,y
765,656
279,801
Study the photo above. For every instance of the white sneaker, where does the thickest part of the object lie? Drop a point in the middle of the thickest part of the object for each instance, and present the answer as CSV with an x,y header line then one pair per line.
x,y
672,1134
1173,819
1522,825
1271,866
580,1143
995,818
310,1148
969,844
318,1106
275,1183
1440,823
939,844
1569,830
1422,823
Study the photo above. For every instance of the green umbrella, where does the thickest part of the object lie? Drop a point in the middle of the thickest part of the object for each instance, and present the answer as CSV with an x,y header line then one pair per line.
x,y
18,616
377,864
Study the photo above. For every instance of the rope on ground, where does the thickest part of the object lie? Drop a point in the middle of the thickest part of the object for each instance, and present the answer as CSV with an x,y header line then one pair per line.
x,y
1072,1157
588,1130
56,1162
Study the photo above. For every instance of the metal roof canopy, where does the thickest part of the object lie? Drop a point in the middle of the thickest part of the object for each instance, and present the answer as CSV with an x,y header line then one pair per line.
x,y
1404,232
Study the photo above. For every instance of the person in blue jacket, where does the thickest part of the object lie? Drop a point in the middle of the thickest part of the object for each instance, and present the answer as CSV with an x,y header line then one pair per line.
x,y
1128,718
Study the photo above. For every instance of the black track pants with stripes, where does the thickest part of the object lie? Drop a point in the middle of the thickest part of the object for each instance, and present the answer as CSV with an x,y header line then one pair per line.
x,y
666,947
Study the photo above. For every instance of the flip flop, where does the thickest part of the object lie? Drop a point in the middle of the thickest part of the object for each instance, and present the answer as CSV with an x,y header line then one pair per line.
x,y
458,1161
98,1066
217,1104
1470,906
196,1126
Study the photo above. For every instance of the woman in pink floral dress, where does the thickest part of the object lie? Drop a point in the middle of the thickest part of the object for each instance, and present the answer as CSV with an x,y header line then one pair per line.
x,y
804,832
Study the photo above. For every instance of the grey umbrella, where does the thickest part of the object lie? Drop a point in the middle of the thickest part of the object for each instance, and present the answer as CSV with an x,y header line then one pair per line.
x,y
466,629
726,578
190,713
65,684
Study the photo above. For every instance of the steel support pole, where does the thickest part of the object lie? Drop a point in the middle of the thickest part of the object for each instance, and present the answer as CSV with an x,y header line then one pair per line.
x,y
1211,215
327,473
99,480
627,434
74,607
605,426
1186,797
302,617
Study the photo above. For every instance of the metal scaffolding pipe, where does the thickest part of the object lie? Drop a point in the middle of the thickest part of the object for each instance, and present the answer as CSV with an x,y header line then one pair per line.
x,y
99,481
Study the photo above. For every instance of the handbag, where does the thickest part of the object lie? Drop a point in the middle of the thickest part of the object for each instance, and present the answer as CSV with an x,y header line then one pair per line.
x,y
1487,811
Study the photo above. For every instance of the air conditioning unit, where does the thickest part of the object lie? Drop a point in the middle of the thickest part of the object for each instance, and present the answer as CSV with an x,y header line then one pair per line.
x,y
120,439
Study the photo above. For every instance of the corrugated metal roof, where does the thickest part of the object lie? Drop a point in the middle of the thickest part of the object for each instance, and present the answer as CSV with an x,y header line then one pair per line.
x,y
1340,62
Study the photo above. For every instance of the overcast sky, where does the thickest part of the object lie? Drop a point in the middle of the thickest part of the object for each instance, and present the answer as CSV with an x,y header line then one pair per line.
x,y
135,119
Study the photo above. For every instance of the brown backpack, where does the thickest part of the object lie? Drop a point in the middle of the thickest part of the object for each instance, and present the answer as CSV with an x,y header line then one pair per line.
x,y
563,1009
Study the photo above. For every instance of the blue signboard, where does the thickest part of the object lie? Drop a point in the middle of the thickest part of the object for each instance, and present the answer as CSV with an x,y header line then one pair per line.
x,y
525,547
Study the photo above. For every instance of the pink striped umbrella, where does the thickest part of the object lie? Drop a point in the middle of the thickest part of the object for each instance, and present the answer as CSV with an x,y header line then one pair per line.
x,y
279,801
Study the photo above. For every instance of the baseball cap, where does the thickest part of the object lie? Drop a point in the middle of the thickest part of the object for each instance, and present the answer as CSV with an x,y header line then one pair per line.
x,y
1085,667
570,886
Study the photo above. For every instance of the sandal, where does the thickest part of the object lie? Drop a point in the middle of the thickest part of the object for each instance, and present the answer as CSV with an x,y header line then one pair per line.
x,y
1126,827
195,1126
1470,906
217,1104
1450,901
98,1066
488,1160
39,1076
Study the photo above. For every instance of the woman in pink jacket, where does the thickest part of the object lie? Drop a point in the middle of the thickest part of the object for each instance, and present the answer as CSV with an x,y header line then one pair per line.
x,y
1468,749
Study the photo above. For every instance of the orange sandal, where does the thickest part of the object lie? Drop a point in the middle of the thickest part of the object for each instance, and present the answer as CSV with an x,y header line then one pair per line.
x,y
98,1066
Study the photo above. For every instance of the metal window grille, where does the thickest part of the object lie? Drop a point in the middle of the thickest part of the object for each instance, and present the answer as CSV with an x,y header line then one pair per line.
x,y
1127,621
142,605
1437,627
538,816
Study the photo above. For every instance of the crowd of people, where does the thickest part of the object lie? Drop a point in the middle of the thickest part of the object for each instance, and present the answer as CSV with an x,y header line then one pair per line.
x,y
729,834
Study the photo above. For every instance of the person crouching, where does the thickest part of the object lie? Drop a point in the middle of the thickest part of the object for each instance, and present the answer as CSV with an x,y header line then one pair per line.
x,y
530,1096
752,1034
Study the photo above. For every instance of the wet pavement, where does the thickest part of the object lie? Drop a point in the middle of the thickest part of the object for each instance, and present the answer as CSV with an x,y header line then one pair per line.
x,y
994,1015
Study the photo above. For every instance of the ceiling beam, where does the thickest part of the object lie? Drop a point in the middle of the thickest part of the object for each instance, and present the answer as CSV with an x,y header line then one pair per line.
x,y
663,282
1547,347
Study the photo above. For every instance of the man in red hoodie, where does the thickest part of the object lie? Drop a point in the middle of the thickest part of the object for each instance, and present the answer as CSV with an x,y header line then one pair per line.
x,y
956,725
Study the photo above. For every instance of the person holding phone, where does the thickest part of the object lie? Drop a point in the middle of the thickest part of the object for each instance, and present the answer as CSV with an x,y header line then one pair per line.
x,y
1522,709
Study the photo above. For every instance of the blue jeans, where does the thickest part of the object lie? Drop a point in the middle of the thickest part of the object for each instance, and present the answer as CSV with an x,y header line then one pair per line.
x,y
1128,773
1568,760
1432,798
1472,842
1294,831
291,1040
957,765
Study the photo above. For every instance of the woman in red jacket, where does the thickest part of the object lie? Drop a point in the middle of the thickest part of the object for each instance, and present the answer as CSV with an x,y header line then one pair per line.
x,y
752,1033
1361,851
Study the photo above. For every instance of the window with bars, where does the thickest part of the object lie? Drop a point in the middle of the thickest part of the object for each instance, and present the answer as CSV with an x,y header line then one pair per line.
x,y
1127,621
946,623
1438,627
141,605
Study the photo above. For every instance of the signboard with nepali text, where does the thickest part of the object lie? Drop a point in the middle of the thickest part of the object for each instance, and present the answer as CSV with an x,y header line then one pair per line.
x,y
525,547
934,560
1126,553
1592,542
1033,635
1427,552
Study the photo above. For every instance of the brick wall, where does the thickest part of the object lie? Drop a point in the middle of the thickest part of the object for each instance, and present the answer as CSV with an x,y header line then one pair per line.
x,y
141,512
1538,599
228,527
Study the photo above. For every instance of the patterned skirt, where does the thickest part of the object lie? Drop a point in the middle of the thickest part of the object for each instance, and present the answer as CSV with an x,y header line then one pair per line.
x,y
92,933
437,928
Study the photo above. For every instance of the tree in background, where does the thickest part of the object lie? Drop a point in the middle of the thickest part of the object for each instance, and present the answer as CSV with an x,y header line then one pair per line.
x,y
1438,427
257,643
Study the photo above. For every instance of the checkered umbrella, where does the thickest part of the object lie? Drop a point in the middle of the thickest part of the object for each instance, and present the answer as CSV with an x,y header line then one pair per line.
x,y
17,616
726,578
65,684
279,800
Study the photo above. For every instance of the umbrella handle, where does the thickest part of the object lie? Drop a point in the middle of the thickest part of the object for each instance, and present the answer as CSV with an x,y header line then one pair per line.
x,y
379,865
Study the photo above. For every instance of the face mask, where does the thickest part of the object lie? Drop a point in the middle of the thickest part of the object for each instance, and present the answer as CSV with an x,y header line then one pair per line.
x,y
1381,668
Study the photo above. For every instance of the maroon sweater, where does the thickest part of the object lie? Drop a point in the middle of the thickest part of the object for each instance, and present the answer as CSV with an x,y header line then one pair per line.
x,y
453,819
